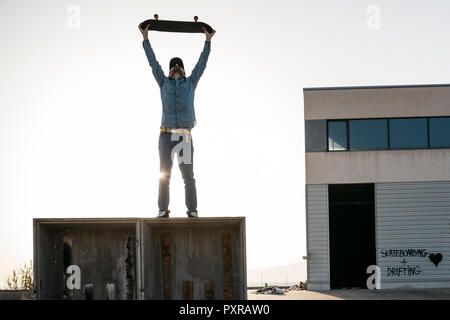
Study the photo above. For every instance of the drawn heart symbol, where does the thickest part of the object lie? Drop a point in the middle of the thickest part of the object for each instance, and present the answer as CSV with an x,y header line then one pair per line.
x,y
435,258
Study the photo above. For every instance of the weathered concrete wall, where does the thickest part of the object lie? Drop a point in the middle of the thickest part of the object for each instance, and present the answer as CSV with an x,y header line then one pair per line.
x,y
197,256
176,258
377,166
376,102
103,249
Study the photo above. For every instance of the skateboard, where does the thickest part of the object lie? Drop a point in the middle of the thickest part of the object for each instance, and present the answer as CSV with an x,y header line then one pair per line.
x,y
176,26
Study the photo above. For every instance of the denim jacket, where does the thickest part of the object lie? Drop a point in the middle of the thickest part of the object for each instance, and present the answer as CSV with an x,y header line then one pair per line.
x,y
177,95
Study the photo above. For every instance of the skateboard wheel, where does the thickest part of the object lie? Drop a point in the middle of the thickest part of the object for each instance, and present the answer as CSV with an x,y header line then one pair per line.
x,y
156,17
195,18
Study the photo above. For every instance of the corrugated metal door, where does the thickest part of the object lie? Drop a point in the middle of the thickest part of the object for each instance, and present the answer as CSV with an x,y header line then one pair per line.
x,y
317,237
413,234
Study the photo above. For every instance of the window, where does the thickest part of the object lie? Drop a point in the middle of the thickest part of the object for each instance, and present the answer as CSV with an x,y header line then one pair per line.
x,y
368,134
337,135
439,132
408,133
389,134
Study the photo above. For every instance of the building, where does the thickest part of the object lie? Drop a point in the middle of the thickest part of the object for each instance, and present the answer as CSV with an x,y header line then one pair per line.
x,y
378,185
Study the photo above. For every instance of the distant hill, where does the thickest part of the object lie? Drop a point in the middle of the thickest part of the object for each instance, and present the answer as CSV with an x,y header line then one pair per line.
x,y
280,275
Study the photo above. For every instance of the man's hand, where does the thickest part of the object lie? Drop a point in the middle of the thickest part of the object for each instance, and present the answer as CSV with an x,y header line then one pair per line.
x,y
144,31
208,35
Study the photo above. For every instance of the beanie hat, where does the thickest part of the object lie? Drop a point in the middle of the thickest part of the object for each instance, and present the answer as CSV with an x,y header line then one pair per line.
x,y
174,61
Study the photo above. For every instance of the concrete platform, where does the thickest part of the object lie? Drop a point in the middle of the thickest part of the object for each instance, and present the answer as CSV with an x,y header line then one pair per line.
x,y
358,294
200,258
103,249
141,258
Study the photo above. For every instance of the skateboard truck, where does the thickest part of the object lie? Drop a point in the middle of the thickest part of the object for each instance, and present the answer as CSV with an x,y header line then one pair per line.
x,y
156,17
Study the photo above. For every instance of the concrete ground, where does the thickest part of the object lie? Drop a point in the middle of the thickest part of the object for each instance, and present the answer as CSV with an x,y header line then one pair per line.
x,y
354,294
357,294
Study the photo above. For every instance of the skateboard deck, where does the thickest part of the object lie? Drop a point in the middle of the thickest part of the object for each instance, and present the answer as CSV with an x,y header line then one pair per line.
x,y
176,26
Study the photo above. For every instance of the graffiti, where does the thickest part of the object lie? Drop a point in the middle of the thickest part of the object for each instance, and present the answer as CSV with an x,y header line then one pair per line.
x,y
405,269
404,253
435,258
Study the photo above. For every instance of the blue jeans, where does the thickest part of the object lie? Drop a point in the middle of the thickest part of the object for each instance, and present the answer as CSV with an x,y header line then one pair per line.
x,y
165,146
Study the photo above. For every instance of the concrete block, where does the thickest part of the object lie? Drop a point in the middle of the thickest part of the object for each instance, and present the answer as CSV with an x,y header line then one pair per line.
x,y
134,258
202,257
104,250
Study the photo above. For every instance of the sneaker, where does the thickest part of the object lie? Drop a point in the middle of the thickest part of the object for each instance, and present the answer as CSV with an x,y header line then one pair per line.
x,y
192,214
163,214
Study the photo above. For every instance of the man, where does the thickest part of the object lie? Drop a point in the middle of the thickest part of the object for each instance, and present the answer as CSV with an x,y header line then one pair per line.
x,y
178,119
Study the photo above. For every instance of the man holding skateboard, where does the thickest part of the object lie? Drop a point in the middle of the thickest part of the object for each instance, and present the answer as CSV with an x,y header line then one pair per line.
x,y
178,119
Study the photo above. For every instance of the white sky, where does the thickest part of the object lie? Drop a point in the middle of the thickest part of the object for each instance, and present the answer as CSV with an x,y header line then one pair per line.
x,y
80,110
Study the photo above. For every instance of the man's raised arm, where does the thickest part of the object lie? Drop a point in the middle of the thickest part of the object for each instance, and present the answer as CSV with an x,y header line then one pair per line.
x,y
156,67
201,64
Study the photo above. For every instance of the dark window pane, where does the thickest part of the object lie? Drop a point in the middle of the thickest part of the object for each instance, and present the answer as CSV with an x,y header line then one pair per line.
x,y
337,135
408,133
440,132
368,134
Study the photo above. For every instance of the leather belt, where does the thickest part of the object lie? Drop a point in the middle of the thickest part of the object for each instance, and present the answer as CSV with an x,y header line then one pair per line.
x,y
176,130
